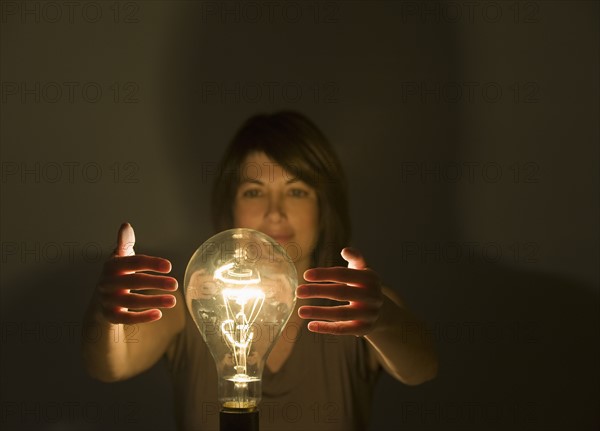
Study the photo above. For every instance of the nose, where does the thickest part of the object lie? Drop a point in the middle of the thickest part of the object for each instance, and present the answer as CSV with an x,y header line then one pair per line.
x,y
275,210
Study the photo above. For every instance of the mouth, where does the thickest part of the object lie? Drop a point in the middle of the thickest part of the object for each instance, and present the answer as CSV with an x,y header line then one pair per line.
x,y
281,238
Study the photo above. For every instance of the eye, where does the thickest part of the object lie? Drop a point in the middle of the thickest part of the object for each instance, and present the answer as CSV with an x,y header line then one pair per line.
x,y
251,193
298,193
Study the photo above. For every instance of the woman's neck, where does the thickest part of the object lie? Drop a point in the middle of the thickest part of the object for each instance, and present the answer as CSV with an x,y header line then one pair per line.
x,y
301,267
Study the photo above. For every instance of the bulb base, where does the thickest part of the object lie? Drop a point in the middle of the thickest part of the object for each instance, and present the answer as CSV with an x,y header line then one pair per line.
x,y
238,420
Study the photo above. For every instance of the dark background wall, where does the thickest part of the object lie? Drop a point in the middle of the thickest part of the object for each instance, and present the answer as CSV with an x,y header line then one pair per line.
x,y
469,132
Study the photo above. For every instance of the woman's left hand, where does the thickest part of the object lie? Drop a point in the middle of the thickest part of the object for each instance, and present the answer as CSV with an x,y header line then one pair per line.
x,y
358,286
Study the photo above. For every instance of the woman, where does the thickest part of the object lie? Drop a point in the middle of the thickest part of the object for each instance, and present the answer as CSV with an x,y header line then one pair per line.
x,y
279,175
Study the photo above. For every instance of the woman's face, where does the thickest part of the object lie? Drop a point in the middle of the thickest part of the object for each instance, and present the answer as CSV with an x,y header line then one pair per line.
x,y
271,200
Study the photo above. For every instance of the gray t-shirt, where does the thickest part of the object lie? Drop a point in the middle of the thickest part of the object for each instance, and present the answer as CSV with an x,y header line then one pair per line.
x,y
325,384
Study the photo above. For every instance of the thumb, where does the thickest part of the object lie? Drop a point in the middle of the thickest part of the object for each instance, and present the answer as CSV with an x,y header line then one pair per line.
x,y
125,241
354,258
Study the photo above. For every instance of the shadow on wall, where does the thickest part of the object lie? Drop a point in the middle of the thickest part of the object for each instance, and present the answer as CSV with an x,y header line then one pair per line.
x,y
44,384
517,350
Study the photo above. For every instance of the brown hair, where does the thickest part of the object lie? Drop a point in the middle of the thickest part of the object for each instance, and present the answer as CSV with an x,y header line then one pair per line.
x,y
294,142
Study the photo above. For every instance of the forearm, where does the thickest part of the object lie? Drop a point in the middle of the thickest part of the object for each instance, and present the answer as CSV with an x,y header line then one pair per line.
x,y
114,352
103,346
403,344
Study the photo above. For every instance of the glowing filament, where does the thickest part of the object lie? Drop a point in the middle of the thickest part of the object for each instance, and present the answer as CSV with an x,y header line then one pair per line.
x,y
243,306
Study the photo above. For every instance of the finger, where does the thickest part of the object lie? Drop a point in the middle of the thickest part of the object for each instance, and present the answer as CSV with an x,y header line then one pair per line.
x,y
121,315
125,241
139,262
139,301
354,327
335,291
138,281
339,313
354,277
354,258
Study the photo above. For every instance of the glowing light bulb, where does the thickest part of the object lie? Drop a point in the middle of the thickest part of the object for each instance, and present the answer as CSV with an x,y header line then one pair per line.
x,y
240,290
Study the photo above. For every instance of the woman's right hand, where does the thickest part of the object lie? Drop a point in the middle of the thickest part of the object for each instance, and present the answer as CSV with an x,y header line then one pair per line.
x,y
121,277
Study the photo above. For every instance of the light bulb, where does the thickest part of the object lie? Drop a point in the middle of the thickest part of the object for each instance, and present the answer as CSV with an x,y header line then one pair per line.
x,y
240,290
